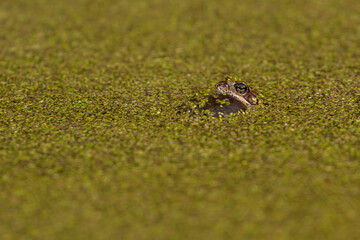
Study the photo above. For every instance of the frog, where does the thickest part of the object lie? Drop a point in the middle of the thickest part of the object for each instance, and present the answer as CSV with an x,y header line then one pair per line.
x,y
231,97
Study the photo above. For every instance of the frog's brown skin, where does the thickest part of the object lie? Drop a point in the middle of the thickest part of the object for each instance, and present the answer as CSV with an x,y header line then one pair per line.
x,y
238,94
242,89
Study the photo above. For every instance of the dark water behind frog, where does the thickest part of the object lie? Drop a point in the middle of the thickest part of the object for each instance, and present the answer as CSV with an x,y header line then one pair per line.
x,y
222,109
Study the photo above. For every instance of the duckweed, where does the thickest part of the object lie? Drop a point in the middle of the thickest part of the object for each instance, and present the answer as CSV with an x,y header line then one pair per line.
x,y
96,139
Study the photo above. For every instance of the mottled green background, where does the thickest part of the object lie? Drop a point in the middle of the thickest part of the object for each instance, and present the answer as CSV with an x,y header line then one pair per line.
x,y
96,141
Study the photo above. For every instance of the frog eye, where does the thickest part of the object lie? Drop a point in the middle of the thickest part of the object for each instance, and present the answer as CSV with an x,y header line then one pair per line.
x,y
241,88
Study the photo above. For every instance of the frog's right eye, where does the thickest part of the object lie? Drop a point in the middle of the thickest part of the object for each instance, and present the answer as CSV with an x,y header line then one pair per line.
x,y
241,88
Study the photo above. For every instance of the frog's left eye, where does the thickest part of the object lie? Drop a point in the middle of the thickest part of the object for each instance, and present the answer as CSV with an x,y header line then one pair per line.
x,y
241,88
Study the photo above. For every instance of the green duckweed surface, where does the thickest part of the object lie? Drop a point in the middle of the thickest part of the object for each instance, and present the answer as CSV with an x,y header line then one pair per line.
x,y
96,141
